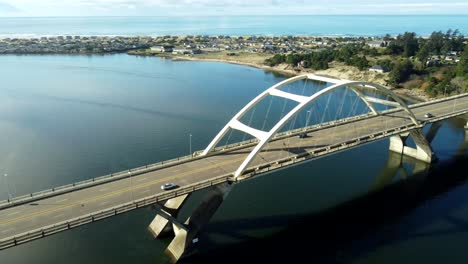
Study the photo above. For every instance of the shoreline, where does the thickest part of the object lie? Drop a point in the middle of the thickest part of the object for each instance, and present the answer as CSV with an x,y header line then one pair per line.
x,y
406,93
250,64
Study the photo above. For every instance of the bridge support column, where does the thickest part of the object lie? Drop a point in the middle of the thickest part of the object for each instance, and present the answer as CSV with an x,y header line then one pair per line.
x,y
183,243
422,151
161,226
433,131
186,234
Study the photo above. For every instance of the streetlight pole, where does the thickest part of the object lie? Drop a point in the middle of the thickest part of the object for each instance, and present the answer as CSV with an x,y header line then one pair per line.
x,y
191,145
307,118
131,185
8,186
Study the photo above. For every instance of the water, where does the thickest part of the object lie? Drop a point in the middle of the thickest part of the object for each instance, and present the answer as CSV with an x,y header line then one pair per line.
x,y
70,118
341,25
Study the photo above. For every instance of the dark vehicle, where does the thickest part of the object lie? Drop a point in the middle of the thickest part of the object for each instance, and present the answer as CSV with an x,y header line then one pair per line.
x,y
169,186
428,115
302,135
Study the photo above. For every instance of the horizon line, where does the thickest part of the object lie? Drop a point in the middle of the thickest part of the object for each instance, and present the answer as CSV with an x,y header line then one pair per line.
x,y
264,15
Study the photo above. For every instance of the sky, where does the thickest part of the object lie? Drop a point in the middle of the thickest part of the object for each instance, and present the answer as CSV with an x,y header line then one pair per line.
x,y
12,8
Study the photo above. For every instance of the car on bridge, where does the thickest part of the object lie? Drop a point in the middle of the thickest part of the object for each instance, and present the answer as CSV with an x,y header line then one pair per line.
x,y
169,186
302,135
428,115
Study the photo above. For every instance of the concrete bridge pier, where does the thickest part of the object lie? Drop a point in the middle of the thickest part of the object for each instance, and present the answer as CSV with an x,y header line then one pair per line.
x,y
186,234
433,131
161,226
423,150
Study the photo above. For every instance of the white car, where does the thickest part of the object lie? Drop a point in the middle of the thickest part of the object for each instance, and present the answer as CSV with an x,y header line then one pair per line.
x,y
169,186
428,115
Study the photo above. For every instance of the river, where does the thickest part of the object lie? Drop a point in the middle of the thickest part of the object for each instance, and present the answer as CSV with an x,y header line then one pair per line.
x,y
65,119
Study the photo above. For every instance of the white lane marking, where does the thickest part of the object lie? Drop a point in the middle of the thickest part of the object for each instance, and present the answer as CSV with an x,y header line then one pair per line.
x,y
61,201
17,212
105,202
7,230
56,216
103,189
139,180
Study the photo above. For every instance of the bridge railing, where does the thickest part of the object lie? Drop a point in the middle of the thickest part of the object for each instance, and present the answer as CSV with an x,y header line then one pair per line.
x,y
176,161
319,152
364,139
433,101
251,172
102,214
159,165
96,181
289,133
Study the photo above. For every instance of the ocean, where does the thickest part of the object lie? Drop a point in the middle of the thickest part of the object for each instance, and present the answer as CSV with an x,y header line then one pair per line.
x,y
319,25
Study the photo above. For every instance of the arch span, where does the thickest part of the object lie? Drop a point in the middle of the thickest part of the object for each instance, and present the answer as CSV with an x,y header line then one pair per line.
x,y
265,136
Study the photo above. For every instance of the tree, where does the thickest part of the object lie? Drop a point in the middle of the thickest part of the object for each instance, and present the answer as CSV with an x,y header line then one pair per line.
x,y
346,52
360,62
423,54
387,37
386,63
462,67
394,49
275,60
293,59
401,72
436,41
409,43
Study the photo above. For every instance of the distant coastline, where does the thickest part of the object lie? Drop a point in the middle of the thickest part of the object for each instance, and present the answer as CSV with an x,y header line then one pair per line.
x,y
355,58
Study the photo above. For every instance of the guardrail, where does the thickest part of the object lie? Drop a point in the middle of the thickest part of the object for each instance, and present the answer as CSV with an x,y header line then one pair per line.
x,y
160,165
438,100
323,151
251,172
96,181
106,213
196,155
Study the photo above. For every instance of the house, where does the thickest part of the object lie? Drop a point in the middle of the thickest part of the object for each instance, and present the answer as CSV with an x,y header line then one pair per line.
x,y
186,51
165,48
378,43
379,69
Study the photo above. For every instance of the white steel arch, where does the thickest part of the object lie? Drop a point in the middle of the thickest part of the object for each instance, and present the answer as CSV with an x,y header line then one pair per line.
x,y
265,136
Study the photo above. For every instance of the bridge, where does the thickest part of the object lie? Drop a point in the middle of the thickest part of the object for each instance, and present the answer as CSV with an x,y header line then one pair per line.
x,y
218,167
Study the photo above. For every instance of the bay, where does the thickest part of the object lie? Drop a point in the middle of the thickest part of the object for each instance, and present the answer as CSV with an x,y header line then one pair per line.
x,y
69,118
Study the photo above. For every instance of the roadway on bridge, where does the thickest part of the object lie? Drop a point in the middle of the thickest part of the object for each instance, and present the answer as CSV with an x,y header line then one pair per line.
x,y
28,217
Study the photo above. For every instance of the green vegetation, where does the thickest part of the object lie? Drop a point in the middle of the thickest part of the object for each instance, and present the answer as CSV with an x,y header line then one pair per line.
x,y
318,60
462,67
437,64
315,60
401,71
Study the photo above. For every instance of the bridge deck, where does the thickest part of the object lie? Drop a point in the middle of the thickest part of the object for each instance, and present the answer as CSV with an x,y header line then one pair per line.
x,y
59,209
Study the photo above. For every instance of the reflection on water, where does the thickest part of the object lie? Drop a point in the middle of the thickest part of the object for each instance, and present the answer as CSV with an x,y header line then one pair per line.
x,y
365,205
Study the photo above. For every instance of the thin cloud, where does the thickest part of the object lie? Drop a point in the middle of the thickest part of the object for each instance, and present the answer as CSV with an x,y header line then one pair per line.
x,y
229,7
7,8
456,4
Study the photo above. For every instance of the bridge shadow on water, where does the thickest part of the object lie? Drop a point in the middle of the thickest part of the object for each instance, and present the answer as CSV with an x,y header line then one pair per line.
x,y
350,230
